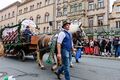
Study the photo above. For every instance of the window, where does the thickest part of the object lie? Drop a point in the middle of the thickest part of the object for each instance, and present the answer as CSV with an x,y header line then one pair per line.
x,y
65,10
72,8
31,7
44,30
8,25
90,22
5,16
58,24
2,18
9,15
25,9
47,17
100,3
117,24
39,5
20,11
59,12
38,19
13,14
118,9
31,18
100,20
75,7
90,5
12,24
47,29
80,6
47,2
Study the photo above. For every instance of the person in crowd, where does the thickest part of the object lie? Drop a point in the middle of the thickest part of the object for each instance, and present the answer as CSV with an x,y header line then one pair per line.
x,y
102,47
96,48
64,47
27,34
115,44
78,52
91,46
86,47
108,47
118,50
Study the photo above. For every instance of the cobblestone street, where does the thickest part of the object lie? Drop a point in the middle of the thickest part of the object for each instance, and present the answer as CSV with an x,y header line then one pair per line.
x,y
90,68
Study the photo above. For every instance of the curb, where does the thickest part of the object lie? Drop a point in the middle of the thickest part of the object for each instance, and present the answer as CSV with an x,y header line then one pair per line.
x,y
101,57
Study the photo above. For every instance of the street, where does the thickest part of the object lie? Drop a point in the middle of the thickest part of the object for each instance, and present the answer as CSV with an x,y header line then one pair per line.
x,y
87,69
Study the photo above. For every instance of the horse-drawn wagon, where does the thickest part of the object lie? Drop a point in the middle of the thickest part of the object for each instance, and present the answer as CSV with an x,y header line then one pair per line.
x,y
15,44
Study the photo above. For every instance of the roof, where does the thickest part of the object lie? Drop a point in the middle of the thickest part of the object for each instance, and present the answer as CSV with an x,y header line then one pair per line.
x,y
15,3
27,1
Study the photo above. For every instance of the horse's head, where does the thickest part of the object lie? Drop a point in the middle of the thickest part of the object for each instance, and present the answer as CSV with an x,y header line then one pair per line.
x,y
77,32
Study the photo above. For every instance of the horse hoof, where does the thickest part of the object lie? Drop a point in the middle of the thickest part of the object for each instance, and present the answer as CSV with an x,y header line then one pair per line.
x,y
43,68
38,64
52,69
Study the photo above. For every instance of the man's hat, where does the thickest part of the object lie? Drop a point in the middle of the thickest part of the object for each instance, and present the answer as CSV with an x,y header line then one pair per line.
x,y
65,22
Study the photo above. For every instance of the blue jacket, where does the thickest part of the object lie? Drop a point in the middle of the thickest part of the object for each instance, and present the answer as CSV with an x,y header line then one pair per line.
x,y
67,41
27,32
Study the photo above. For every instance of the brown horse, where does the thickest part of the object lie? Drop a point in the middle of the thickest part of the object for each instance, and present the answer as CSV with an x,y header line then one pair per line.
x,y
45,40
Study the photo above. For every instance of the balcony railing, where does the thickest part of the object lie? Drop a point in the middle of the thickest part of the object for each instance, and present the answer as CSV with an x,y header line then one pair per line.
x,y
82,12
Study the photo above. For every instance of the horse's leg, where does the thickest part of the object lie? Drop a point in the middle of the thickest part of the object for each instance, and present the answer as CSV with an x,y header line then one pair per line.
x,y
39,60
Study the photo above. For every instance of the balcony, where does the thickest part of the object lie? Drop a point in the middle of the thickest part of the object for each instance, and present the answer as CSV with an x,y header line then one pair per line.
x,y
82,12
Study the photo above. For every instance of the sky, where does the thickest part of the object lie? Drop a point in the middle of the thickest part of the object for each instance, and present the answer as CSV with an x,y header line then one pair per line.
x,y
4,3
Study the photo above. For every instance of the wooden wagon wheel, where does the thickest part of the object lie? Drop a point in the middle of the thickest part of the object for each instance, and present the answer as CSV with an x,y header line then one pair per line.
x,y
21,55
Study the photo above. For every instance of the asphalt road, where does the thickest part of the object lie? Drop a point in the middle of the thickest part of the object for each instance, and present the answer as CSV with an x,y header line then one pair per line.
x,y
87,69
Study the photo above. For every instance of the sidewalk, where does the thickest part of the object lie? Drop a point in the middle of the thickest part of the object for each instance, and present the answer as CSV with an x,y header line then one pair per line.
x,y
101,57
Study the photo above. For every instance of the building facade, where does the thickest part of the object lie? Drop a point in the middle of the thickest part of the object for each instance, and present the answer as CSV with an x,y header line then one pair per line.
x,y
8,15
114,18
40,11
97,16
50,14
94,14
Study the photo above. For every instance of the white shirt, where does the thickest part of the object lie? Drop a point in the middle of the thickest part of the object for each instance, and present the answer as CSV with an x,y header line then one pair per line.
x,y
61,37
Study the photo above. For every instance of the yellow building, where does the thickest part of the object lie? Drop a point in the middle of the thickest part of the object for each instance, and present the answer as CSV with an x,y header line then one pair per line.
x,y
8,15
49,14
40,11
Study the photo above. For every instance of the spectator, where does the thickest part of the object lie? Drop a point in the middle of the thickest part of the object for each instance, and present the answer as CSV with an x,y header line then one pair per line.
x,y
115,44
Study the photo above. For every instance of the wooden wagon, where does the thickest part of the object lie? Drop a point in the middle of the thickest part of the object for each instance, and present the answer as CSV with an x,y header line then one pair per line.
x,y
15,43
